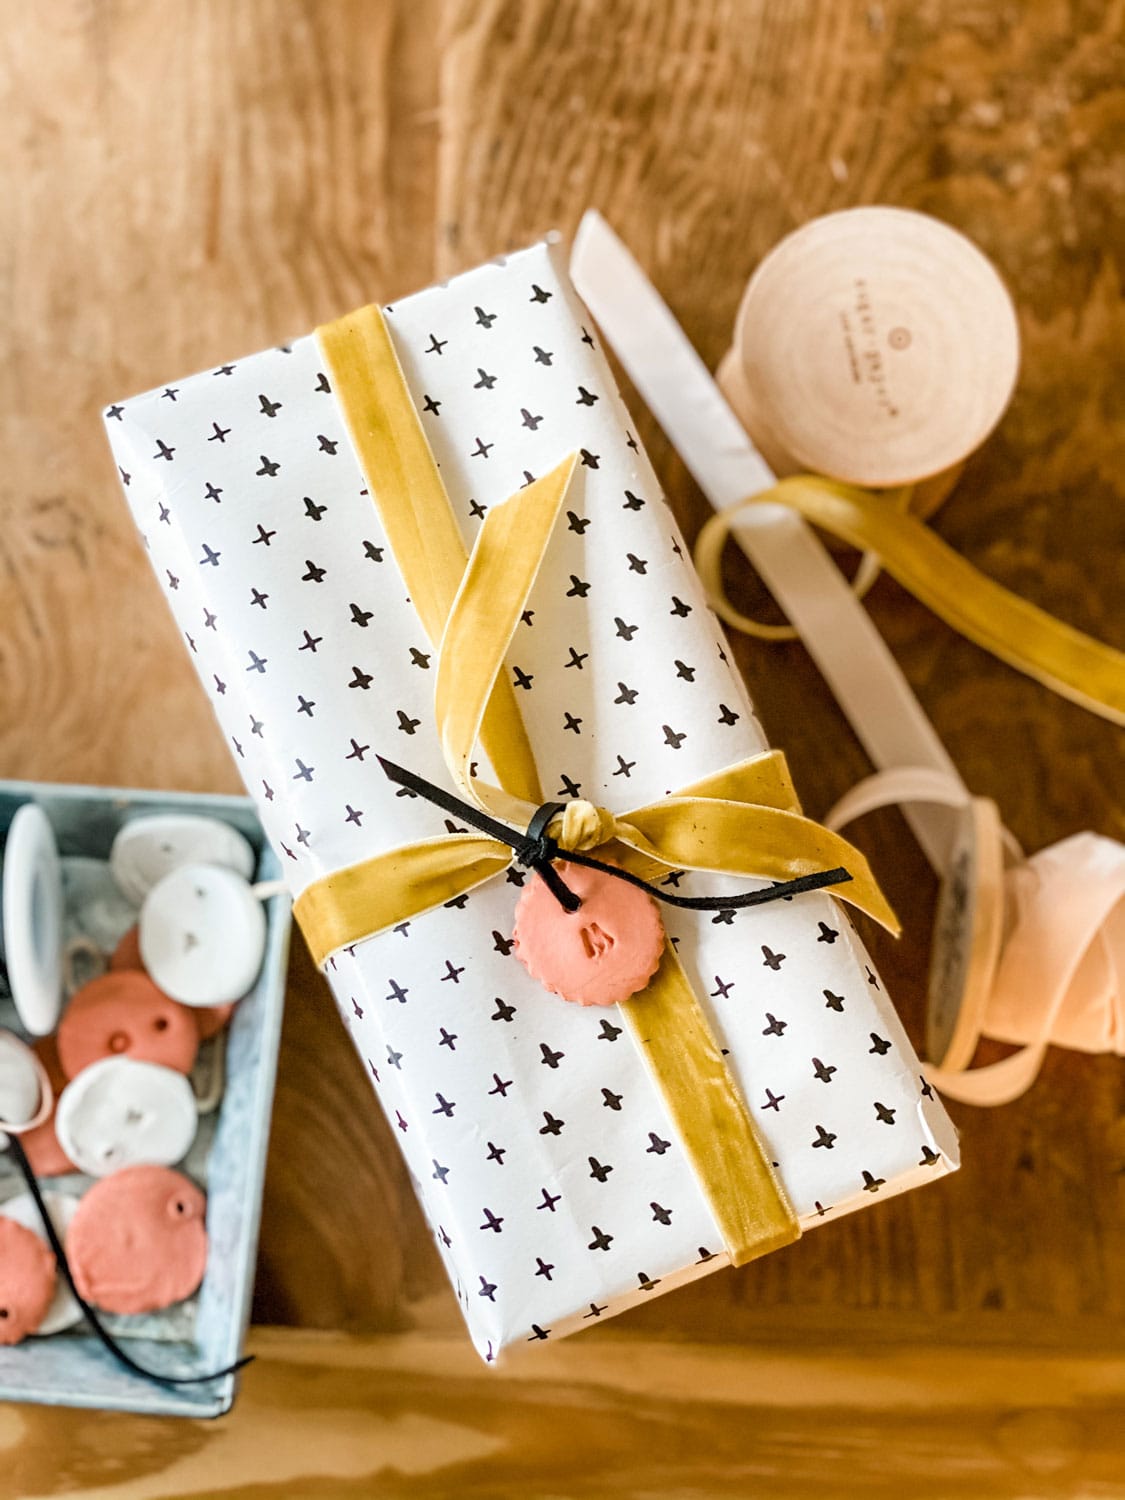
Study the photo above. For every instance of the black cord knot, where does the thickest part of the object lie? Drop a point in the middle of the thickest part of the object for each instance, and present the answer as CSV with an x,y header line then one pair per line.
x,y
537,850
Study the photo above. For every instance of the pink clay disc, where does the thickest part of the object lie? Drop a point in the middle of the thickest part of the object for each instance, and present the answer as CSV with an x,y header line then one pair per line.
x,y
138,1242
27,1281
600,954
127,954
124,1014
46,1156
210,1019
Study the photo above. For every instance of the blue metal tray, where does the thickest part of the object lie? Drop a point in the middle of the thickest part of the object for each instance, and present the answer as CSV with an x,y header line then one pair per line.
x,y
72,1369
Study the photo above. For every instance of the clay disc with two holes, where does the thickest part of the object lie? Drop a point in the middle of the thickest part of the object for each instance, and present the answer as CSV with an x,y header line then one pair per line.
x,y
125,1014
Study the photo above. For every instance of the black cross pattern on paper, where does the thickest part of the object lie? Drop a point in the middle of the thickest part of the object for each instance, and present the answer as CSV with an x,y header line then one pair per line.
x,y
650,704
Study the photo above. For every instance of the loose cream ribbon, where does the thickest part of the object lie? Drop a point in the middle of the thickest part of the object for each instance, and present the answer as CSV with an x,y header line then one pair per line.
x,y
1052,972
742,820
1056,972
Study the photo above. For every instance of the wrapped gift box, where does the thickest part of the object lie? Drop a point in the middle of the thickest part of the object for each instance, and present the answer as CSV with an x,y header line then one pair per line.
x,y
556,1186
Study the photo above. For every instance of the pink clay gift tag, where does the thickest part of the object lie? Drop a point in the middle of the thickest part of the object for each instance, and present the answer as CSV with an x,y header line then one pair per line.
x,y
600,954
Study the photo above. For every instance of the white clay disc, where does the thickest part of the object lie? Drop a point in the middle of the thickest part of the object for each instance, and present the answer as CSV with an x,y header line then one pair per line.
x,y
33,919
123,1113
203,935
20,1088
149,848
64,1311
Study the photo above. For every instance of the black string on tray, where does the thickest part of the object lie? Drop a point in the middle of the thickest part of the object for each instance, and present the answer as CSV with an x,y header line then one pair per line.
x,y
19,1155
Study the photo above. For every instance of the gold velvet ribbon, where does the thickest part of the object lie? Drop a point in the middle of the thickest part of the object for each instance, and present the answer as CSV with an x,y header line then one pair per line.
x,y
743,820
1055,654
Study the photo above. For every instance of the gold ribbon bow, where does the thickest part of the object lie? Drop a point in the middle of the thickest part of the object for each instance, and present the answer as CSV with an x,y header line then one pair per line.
x,y
743,820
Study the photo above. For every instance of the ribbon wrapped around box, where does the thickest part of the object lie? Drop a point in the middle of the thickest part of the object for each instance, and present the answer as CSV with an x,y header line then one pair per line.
x,y
354,532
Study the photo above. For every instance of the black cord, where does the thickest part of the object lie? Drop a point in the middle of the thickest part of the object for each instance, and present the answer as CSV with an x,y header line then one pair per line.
x,y
103,1334
536,849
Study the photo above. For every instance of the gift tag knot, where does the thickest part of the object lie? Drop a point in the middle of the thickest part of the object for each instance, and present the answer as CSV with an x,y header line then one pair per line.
x,y
582,825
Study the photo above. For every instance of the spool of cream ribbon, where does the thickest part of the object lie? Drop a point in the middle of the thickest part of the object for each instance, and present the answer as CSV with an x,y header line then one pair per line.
x,y
845,363
1030,951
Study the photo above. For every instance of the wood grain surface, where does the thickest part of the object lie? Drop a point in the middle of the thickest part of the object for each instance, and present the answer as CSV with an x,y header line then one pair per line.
x,y
187,180
817,1408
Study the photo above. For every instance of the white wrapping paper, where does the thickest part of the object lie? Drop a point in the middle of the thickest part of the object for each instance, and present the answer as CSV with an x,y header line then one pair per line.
x,y
554,1182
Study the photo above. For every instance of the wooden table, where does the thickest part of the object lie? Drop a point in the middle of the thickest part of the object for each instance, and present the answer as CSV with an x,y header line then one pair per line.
x,y
187,179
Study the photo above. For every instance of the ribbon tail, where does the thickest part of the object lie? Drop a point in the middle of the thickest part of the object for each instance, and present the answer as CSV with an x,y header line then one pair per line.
x,y
672,1034
362,899
733,838
1070,663
490,600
